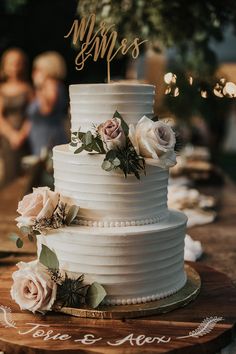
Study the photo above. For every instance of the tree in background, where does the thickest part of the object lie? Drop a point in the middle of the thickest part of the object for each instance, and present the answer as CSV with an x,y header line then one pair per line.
x,y
188,26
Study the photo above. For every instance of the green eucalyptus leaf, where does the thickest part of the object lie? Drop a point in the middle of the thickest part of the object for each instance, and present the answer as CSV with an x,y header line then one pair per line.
x,y
72,214
13,237
116,162
88,138
25,230
107,165
95,295
19,243
48,258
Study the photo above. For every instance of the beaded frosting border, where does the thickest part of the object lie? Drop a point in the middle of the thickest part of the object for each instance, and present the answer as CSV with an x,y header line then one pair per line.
x,y
117,223
144,299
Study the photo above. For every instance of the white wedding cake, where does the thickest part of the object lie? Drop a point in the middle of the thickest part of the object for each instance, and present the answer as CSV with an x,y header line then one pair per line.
x,y
126,238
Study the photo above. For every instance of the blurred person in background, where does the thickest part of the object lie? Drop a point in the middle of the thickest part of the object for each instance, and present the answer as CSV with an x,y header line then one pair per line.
x,y
15,95
49,109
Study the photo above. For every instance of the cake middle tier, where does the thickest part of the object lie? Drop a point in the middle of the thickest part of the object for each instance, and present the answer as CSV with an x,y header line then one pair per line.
x,y
108,199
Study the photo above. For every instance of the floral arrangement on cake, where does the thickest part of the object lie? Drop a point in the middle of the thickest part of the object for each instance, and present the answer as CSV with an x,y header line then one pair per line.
x,y
42,210
41,285
126,147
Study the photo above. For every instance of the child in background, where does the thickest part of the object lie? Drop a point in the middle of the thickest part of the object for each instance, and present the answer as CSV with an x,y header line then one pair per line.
x,y
48,111
15,95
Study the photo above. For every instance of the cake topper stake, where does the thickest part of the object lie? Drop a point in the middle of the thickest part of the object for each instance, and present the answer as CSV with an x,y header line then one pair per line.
x,y
101,43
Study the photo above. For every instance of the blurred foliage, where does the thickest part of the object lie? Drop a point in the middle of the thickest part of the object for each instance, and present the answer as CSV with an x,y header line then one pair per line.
x,y
11,6
188,25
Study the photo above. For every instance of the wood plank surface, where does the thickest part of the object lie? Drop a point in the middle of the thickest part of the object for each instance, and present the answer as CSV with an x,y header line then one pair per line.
x,y
217,298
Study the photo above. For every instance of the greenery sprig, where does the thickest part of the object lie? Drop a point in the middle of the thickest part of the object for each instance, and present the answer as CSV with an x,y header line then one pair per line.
x,y
89,142
71,292
125,159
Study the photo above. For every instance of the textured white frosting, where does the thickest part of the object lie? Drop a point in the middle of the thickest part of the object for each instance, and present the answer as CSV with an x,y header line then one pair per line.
x,y
107,198
95,103
135,264
128,241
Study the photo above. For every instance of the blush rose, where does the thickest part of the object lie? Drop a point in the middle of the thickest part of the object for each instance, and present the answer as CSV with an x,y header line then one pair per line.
x,y
155,141
33,288
37,205
112,134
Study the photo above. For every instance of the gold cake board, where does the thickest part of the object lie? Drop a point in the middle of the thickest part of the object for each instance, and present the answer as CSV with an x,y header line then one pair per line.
x,y
180,299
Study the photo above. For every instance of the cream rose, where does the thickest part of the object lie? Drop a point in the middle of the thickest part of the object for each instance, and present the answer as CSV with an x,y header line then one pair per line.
x,y
33,288
155,141
37,205
112,134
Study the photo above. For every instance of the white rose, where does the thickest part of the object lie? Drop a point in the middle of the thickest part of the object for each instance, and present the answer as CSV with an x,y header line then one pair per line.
x,y
33,288
37,205
112,134
155,141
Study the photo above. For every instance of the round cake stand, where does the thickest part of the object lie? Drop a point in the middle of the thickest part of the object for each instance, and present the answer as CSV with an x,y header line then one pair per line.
x,y
185,295
205,325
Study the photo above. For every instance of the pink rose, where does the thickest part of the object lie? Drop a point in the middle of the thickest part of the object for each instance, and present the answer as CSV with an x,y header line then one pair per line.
x,y
33,288
112,134
37,205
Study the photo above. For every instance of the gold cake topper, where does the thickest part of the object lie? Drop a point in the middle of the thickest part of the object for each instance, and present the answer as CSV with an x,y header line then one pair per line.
x,y
100,43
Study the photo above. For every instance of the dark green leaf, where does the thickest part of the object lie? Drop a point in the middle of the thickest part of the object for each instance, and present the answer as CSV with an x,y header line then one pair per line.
x,y
73,144
19,243
95,295
81,135
111,155
48,258
155,119
79,150
89,148
72,214
124,125
31,237
98,145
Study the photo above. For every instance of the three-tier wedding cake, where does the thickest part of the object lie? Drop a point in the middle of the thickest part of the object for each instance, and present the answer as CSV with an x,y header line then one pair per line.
x,y
124,238
127,239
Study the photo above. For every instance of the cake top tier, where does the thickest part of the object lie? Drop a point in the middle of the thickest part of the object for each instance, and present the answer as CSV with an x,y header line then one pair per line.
x,y
99,89
92,104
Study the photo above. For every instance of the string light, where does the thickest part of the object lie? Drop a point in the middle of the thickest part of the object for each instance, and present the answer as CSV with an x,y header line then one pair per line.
x,y
170,78
222,88
229,89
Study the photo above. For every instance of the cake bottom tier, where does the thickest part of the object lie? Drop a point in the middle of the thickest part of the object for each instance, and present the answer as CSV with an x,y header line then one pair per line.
x,y
134,264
